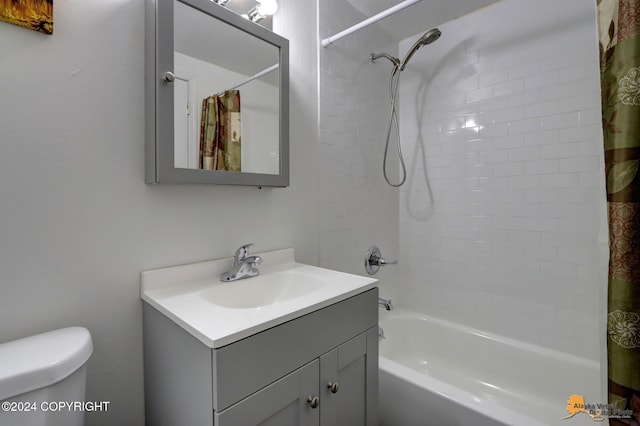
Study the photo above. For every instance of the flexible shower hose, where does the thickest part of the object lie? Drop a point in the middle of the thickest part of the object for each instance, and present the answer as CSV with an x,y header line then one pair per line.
x,y
394,80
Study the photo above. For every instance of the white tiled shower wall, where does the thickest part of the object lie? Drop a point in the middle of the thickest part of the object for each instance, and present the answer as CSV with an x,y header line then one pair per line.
x,y
509,235
357,209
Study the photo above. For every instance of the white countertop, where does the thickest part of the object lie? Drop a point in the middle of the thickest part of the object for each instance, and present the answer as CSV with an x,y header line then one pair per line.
x,y
180,293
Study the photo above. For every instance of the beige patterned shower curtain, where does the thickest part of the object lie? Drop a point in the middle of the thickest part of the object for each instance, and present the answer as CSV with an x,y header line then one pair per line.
x,y
220,132
619,27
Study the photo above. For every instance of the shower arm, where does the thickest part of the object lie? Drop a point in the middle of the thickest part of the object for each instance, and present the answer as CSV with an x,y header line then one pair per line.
x,y
396,62
393,59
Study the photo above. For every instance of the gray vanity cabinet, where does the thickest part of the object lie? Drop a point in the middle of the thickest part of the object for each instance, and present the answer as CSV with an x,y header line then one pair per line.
x,y
318,369
329,391
346,372
283,403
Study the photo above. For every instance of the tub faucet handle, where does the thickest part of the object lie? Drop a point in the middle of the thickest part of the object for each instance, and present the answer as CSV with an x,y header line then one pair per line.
x,y
374,260
382,261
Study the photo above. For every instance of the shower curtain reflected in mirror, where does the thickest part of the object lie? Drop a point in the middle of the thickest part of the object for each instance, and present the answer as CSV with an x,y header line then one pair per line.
x,y
220,132
619,27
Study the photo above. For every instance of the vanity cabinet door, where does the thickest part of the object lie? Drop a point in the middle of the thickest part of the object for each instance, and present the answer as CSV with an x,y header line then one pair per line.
x,y
287,402
348,384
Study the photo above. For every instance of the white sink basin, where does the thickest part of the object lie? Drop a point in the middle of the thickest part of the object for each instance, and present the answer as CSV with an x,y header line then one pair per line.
x,y
218,313
263,290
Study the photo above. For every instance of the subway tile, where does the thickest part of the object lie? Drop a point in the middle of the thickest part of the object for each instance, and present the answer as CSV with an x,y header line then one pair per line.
x,y
508,169
524,181
541,224
455,123
494,131
508,88
508,223
477,146
454,99
559,270
560,180
577,255
563,59
526,98
466,84
589,164
487,183
524,237
545,137
538,252
576,72
565,150
525,126
542,167
524,210
508,142
524,70
578,225
559,239
478,221
509,114
493,209
478,95
524,154
575,103
559,210
493,155
570,89
561,121
580,195
593,147
480,170
541,195
491,78
589,116
541,80
590,180
482,119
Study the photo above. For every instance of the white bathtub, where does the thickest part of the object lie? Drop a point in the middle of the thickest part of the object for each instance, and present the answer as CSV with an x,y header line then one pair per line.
x,y
433,372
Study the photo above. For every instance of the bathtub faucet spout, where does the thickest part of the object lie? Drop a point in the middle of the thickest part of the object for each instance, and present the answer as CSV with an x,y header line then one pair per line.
x,y
385,303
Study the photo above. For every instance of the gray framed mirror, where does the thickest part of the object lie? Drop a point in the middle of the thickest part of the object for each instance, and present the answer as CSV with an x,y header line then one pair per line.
x,y
217,97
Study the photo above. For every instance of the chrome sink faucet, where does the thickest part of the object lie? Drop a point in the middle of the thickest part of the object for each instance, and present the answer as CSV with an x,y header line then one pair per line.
x,y
244,266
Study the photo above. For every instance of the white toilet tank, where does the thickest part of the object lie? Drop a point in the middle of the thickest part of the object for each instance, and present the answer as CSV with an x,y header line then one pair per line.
x,y
40,374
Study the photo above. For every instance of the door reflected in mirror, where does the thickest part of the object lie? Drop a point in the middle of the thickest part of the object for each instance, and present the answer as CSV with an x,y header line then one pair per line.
x,y
226,96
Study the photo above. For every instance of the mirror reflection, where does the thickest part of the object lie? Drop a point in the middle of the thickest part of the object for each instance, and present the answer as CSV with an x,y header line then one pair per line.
x,y
226,96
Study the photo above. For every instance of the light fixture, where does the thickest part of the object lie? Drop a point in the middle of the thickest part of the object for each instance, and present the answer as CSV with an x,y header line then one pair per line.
x,y
221,2
263,9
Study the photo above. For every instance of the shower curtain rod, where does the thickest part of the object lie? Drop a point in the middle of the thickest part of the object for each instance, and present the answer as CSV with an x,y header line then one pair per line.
x,y
329,40
253,77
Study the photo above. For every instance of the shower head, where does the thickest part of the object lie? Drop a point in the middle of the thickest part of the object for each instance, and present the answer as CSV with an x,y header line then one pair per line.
x,y
430,36
427,38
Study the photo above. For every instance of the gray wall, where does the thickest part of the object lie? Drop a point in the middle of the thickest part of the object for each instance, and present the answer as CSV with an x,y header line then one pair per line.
x,y
77,222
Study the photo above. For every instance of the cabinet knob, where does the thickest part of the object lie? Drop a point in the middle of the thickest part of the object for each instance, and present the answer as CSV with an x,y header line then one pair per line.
x,y
333,387
313,401
169,77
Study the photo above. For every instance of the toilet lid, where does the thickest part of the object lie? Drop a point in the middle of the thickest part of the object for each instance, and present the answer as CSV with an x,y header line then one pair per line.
x,y
42,360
